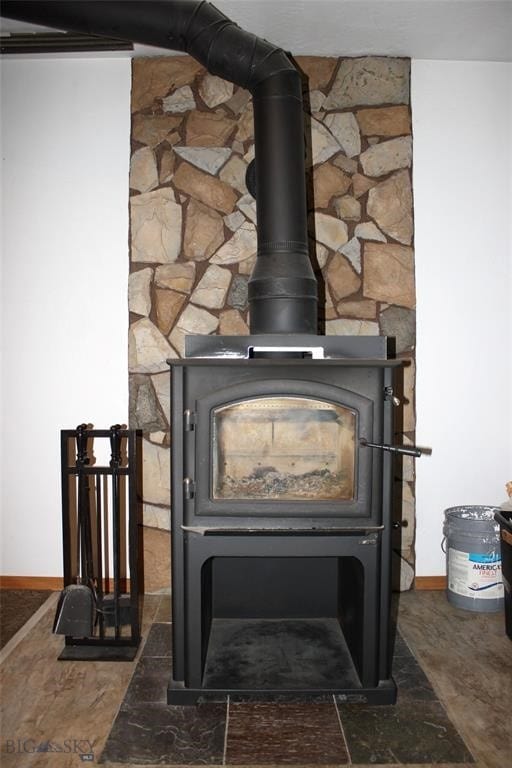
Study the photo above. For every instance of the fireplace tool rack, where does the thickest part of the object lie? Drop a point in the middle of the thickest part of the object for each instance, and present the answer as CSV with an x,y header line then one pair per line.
x,y
98,611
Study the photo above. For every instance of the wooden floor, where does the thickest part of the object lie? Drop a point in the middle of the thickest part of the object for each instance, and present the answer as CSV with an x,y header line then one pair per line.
x,y
467,657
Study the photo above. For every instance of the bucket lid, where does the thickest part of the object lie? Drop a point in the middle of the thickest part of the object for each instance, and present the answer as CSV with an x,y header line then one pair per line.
x,y
470,512
481,517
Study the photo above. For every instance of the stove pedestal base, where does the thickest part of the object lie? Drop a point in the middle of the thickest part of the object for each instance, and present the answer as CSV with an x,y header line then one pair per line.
x,y
384,693
241,648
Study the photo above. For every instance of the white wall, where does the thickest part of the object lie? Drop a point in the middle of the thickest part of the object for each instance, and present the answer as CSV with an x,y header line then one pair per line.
x,y
462,123
65,168
66,153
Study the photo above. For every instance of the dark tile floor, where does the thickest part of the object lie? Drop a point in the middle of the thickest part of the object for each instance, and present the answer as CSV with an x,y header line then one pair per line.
x,y
147,731
16,608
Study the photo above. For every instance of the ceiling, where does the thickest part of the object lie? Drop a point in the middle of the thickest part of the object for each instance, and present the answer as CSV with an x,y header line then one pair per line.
x,y
479,30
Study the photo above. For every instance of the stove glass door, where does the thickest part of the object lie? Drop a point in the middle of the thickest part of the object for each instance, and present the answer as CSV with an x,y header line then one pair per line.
x,y
293,448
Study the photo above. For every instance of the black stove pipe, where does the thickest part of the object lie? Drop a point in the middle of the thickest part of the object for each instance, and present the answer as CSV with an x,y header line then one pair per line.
x,y
282,288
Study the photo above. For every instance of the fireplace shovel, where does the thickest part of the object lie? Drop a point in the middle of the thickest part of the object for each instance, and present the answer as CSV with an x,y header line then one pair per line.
x,y
75,612
76,609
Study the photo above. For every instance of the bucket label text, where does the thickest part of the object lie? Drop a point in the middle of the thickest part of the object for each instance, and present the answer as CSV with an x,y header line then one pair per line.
x,y
473,574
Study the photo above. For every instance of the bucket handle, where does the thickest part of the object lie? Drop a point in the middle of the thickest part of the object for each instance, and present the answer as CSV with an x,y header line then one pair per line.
x,y
443,544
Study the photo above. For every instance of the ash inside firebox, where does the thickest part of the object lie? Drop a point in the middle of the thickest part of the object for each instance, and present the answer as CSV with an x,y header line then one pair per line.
x,y
268,482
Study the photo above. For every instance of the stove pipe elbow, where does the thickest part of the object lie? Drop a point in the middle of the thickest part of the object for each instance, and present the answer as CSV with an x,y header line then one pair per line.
x,y
282,288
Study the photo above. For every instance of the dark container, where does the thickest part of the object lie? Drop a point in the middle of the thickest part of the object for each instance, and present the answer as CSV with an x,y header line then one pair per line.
x,y
504,518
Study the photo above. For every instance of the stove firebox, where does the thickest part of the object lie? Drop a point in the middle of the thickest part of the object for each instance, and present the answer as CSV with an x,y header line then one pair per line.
x,y
281,519
285,447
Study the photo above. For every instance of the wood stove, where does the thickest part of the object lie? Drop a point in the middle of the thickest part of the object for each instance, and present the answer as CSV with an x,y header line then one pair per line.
x,y
281,496
281,518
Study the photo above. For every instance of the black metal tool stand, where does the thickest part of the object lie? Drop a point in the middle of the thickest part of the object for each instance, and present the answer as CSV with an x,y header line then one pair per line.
x,y
100,511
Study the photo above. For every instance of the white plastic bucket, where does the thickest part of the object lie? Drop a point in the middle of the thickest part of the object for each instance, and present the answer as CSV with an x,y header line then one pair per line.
x,y
473,558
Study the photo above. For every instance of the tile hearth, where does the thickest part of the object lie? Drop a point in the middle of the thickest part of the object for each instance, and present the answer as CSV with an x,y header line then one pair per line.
x,y
282,732
466,657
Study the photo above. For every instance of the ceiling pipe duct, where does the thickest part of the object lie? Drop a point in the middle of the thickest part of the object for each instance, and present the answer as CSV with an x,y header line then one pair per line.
x,y
282,288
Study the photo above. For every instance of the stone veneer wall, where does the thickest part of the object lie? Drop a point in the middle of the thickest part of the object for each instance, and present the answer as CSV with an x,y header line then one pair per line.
x,y
193,237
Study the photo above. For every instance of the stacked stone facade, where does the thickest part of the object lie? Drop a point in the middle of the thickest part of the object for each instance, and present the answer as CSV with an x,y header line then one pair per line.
x,y
193,238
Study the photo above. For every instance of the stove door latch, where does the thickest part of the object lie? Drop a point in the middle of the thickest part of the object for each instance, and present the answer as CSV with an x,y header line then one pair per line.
x,y
390,395
189,420
189,488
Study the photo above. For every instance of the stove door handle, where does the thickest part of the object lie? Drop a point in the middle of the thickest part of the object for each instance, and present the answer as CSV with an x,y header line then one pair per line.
x,y
402,450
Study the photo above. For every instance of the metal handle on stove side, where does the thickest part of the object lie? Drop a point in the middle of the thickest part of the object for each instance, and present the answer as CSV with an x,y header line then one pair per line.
x,y
403,450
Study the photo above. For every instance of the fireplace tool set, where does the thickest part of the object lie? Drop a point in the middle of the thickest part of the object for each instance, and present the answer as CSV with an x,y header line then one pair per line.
x,y
98,609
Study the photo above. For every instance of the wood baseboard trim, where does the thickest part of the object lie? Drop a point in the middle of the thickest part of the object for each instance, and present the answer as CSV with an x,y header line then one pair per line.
x,y
31,582
430,582
56,583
